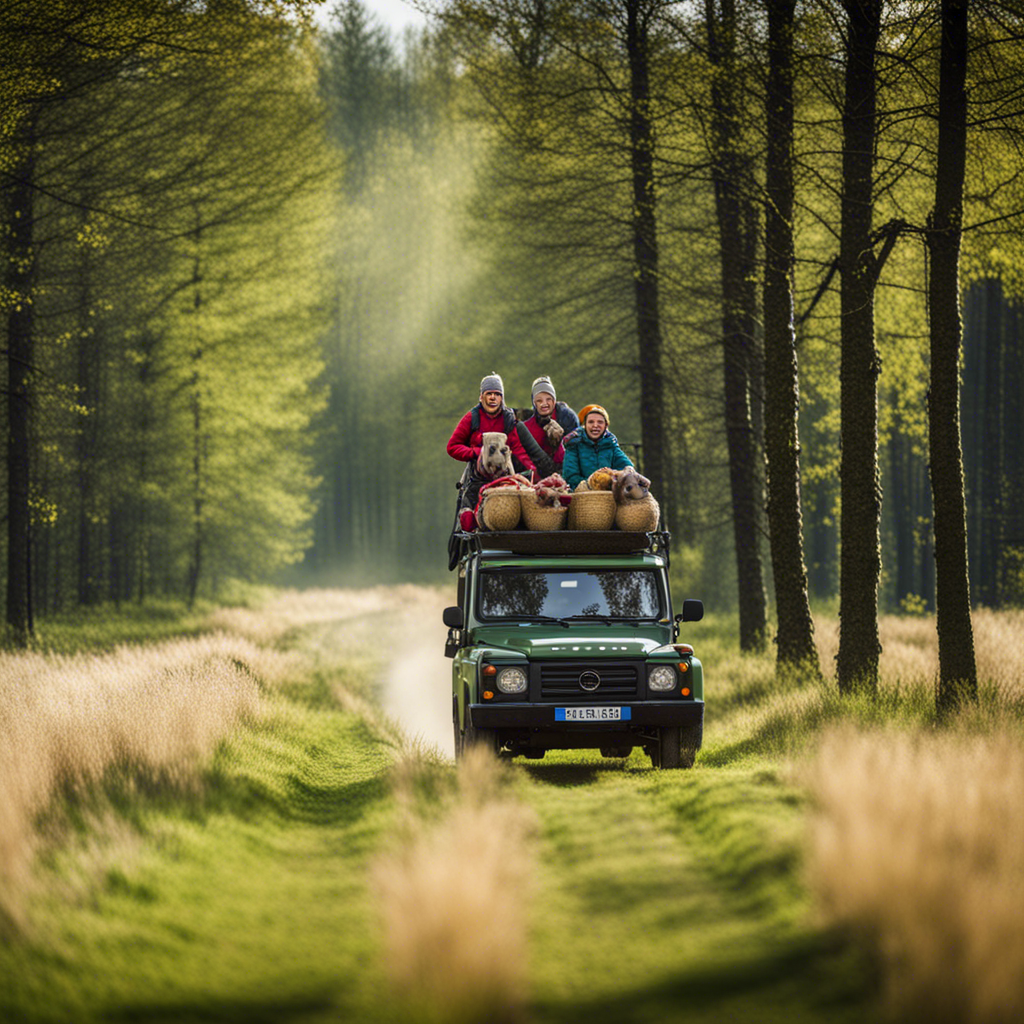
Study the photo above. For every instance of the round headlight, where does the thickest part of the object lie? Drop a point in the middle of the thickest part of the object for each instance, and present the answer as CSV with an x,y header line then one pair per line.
x,y
662,677
512,680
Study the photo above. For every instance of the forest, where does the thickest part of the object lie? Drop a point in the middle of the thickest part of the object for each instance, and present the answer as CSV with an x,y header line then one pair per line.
x,y
255,266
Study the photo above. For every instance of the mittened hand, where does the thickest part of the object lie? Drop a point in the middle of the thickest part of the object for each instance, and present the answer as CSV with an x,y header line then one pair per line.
x,y
554,432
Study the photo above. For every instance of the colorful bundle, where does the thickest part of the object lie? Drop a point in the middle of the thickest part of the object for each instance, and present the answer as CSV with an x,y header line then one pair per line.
x,y
552,491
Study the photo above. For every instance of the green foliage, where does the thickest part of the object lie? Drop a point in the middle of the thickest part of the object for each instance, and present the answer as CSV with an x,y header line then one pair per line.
x,y
253,341
913,604
183,211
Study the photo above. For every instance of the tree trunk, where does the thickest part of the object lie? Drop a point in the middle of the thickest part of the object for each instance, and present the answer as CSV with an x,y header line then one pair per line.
x,y
901,467
86,445
1011,569
20,279
987,396
731,173
972,403
781,381
861,492
990,468
645,256
196,555
958,681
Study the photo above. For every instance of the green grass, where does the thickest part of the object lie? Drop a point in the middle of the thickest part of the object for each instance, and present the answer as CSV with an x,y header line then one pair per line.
x,y
675,896
245,896
243,900
104,627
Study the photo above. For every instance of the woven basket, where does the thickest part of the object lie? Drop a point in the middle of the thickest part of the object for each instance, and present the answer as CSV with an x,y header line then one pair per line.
x,y
592,510
501,508
638,516
537,517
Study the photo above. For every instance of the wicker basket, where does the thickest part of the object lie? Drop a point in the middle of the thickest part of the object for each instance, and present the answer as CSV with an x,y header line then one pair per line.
x,y
537,517
501,509
638,516
592,510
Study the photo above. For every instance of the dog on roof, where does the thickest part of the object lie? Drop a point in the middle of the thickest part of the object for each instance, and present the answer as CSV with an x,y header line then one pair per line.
x,y
495,458
629,485
493,463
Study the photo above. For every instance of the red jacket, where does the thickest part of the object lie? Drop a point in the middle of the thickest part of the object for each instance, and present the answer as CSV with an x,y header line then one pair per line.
x,y
465,443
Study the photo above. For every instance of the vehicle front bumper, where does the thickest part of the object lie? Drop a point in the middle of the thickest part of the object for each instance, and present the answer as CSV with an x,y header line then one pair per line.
x,y
651,714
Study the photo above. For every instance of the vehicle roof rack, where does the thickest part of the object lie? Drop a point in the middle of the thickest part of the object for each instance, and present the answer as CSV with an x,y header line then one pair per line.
x,y
566,542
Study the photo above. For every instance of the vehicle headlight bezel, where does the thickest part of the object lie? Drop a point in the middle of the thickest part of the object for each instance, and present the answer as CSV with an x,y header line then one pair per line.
x,y
512,679
662,678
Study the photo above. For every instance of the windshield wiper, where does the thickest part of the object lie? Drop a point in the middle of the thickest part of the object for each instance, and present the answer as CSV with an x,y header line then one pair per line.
x,y
545,618
613,620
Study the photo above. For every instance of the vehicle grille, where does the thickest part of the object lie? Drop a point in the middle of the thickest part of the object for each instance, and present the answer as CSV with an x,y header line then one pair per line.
x,y
560,680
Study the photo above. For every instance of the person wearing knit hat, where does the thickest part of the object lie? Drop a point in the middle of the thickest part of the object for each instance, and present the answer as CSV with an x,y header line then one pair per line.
x,y
543,429
492,382
542,386
491,415
594,408
593,448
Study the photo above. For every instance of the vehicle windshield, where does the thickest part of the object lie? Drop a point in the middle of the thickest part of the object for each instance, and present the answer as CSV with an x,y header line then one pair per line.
x,y
585,594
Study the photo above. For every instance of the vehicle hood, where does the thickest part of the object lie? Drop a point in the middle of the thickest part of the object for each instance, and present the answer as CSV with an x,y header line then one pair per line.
x,y
575,643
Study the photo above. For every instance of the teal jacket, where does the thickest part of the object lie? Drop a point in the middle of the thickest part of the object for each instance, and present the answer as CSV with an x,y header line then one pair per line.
x,y
583,456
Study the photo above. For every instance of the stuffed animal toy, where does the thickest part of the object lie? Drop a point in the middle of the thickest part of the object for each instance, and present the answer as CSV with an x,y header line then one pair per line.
x,y
601,479
629,485
495,458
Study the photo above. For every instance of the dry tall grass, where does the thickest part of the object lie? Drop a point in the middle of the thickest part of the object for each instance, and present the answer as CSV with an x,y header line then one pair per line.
x,y
293,610
910,653
454,897
66,721
919,840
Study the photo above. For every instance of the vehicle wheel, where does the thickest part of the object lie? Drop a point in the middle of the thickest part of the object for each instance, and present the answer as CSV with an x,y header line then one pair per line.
x,y
690,738
472,737
458,732
668,748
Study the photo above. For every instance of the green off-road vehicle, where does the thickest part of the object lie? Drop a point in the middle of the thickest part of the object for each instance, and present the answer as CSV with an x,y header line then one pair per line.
x,y
567,640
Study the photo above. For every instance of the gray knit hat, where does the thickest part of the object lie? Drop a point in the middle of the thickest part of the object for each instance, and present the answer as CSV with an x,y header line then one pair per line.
x,y
492,382
542,384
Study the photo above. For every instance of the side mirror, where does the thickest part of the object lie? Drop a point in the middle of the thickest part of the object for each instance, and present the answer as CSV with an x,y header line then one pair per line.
x,y
693,611
453,617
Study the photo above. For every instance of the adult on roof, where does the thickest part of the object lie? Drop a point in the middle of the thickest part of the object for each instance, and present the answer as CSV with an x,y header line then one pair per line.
x,y
547,424
592,448
489,416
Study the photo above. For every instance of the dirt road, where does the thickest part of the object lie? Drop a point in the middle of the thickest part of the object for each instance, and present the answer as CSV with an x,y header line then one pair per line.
x,y
417,691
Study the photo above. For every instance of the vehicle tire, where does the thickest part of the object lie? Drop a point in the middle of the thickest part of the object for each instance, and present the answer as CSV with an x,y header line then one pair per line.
x,y
690,738
473,737
668,748
459,749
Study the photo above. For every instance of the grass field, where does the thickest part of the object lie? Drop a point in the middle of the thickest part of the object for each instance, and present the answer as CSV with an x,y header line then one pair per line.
x,y
259,821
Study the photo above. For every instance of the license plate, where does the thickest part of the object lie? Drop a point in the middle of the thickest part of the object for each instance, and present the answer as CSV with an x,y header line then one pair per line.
x,y
592,714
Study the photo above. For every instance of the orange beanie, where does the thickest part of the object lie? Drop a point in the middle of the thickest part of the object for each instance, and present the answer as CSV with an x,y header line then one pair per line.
x,y
594,408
